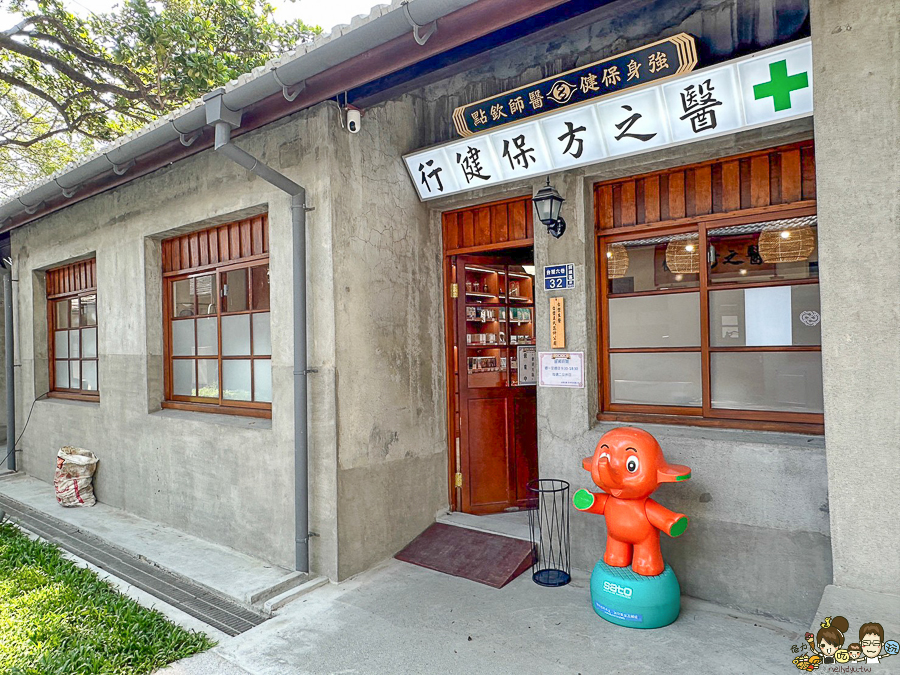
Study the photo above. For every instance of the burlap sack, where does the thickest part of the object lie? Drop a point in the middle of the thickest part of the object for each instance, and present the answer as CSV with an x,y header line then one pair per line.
x,y
74,477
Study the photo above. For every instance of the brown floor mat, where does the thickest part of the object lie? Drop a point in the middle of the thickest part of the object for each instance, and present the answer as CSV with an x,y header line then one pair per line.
x,y
486,558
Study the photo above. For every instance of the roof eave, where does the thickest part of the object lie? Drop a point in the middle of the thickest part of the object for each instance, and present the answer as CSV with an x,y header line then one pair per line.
x,y
351,55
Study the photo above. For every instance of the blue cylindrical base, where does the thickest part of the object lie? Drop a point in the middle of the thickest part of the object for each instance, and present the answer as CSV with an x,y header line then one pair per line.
x,y
625,598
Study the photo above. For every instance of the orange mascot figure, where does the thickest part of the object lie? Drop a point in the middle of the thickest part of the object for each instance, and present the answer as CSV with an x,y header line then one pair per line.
x,y
628,465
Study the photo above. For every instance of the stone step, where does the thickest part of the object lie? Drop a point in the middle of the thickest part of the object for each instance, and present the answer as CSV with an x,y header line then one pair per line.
x,y
292,594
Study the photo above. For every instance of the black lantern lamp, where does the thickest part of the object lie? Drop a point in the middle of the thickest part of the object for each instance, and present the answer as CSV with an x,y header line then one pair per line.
x,y
548,202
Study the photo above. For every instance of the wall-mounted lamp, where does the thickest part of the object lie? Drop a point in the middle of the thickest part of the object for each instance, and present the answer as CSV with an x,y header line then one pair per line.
x,y
547,203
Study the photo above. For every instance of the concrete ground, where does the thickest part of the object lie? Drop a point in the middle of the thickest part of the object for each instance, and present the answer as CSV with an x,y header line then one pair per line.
x,y
223,570
399,618
513,524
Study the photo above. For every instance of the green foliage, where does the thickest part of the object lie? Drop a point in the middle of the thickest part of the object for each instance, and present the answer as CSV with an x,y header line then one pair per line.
x,y
67,82
59,619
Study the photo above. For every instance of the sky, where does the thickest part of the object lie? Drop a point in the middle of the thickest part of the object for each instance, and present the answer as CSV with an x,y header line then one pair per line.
x,y
325,13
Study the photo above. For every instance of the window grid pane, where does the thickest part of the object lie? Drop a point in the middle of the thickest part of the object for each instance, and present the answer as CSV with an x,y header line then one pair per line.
x,y
668,320
776,381
239,324
262,380
61,376
745,324
74,343
262,337
768,316
236,335
237,295
671,378
236,383
89,375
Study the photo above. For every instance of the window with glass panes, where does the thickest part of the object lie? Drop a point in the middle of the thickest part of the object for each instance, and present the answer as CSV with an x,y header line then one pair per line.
x,y
713,317
72,320
218,344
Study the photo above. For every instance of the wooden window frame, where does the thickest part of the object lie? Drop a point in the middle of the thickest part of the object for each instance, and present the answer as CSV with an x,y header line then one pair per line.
x,y
705,415
69,283
202,404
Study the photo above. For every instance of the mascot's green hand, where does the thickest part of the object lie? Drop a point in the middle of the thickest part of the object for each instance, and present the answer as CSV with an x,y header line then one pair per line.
x,y
679,527
583,500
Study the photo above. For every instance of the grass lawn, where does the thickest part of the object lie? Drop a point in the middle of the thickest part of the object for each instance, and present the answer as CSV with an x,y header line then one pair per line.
x,y
57,618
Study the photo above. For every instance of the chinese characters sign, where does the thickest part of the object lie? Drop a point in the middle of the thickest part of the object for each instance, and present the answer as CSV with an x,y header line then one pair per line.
x,y
559,369
660,60
527,362
559,277
766,88
557,323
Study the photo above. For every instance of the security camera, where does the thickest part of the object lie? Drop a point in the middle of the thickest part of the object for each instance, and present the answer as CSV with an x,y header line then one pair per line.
x,y
353,120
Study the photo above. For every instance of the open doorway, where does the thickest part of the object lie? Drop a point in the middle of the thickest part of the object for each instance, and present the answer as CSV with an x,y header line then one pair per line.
x,y
493,338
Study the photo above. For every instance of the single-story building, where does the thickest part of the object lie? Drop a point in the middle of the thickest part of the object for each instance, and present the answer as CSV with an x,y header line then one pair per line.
x,y
303,316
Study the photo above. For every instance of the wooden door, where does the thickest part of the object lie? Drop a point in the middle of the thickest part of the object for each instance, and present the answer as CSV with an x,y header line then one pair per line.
x,y
498,414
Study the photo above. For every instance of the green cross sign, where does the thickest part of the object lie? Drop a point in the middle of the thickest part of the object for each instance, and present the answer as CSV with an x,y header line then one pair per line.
x,y
780,86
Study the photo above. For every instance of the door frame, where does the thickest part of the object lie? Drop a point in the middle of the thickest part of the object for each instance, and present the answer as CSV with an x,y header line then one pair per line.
x,y
452,314
494,226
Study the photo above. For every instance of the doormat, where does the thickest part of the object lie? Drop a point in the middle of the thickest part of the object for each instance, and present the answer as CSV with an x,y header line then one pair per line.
x,y
486,558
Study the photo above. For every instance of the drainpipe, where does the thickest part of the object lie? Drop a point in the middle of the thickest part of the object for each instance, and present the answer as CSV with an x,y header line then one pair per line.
x,y
224,120
10,370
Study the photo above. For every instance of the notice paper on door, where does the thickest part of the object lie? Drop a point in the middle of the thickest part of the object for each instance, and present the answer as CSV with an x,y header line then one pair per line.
x,y
562,369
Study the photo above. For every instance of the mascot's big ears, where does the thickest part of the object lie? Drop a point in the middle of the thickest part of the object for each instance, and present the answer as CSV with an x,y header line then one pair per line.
x,y
672,473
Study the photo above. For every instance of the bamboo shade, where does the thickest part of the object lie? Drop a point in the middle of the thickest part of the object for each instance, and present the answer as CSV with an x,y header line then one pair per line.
x,y
683,255
616,261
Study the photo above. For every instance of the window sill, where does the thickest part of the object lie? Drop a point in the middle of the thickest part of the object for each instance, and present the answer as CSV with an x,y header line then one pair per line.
x,y
807,435
211,417
225,411
64,397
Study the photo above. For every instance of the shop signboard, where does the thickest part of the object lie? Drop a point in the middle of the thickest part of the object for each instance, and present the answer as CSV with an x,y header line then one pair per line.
x,y
562,369
654,62
766,88
559,277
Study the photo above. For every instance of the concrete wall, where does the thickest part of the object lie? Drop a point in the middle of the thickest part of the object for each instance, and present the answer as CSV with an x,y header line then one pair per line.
x,y
391,431
757,544
758,502
378,428
227,479
856,61
378,462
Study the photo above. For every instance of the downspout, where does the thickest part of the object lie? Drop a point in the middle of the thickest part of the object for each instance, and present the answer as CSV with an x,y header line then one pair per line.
x,y
224,120
10,370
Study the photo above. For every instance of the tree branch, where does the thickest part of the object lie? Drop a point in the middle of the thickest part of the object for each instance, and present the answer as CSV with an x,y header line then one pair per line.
x,y
40,18
136,81
25,86
69,128
73,74
4,142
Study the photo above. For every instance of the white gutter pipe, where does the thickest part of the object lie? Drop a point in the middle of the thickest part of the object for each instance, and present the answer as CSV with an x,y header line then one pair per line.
x,y
224,120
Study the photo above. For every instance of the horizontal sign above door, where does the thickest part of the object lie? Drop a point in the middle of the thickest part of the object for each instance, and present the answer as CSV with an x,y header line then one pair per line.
x,y
766,88
658,61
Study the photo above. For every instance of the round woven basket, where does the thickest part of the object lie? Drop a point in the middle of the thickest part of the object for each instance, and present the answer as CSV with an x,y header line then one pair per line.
x,y
784,246
683,256
616,261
